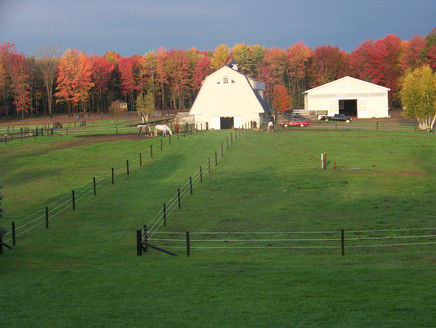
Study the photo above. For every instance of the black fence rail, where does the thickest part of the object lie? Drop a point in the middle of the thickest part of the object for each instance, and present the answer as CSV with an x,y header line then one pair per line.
x,y
339,241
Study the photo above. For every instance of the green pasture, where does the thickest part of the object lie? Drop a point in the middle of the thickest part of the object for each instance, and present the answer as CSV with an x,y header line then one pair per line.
x,y
83,271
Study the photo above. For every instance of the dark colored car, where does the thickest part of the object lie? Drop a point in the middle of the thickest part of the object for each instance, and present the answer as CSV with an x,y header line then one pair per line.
x,y
337,117
295,122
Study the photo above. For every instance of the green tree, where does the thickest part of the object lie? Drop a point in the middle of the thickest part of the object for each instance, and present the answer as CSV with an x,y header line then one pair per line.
x,y
145,105
418,96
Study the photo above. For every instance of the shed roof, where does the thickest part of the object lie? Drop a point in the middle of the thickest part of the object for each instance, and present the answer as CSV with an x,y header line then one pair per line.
x,y
345,78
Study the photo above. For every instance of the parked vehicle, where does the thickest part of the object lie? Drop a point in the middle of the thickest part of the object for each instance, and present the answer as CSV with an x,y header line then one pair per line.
x,y
295,122
337,117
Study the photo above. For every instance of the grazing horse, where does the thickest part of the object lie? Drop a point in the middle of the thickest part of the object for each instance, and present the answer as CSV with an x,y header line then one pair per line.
x,y
162,127
145,128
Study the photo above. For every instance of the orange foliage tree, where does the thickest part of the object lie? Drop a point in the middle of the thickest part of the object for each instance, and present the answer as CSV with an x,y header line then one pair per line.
x,y
281,98
74,79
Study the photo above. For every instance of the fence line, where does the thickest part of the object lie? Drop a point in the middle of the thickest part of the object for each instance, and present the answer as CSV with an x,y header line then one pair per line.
x,y
66,201
157,221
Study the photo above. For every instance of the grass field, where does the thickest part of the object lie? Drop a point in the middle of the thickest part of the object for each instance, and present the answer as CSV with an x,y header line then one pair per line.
x,y
84,271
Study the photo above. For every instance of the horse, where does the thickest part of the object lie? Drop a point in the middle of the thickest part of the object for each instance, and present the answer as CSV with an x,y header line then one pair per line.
x,y
145,128
162,127
271,126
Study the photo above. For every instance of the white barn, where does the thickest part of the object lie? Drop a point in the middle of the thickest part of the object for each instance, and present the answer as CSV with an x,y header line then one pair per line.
x,y
349,96
229,99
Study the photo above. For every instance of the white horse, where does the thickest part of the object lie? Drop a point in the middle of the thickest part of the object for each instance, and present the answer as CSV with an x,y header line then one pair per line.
x,y
162,127
145,128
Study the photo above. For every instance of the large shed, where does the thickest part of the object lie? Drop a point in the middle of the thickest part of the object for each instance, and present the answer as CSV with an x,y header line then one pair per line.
x,y
349,96
229,99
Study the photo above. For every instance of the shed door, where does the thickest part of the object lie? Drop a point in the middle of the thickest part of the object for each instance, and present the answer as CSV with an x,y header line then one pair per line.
x,y
215,123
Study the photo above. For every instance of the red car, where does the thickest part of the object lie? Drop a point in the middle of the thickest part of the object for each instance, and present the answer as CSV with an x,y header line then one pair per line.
x,y
294,122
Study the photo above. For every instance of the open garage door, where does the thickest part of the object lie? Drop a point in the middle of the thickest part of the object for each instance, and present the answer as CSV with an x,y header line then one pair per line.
x,y
348,107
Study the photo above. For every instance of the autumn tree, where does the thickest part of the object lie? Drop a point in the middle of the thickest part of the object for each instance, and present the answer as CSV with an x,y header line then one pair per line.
x,y
330,63
145,105
359,61
47,67
428,52
220,57
281,98
273,70
202,70
129,68
101,74
418,96
177,67
298,57
384,64
161,73
411,53
74,79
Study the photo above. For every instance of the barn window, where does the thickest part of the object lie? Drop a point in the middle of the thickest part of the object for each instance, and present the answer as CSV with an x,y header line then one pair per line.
x,y
233,81
226,79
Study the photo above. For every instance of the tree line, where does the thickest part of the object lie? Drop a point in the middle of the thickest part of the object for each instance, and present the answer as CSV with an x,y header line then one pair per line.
x,y
170,79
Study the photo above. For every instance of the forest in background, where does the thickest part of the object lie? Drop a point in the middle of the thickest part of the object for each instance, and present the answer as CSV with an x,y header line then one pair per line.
x,y
76,82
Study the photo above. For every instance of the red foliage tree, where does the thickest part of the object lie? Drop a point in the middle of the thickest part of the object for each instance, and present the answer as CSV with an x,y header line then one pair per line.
x,y
161,73
202,70
74,79
273,69
129,68
329,63
281,98
299,58
101,74
16,69
411,53
360,61
177,70
385,67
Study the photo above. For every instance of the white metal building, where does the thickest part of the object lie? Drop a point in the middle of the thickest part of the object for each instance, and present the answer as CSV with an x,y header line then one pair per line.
x,y
349,96
228,99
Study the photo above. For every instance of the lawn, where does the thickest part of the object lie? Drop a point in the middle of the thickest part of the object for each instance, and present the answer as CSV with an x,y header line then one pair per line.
x,y
83,271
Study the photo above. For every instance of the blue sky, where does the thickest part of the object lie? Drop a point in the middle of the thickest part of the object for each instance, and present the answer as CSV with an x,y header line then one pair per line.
x,y
133,26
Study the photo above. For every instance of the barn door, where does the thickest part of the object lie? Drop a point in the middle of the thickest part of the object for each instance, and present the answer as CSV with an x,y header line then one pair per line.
x,y
215,123
238,122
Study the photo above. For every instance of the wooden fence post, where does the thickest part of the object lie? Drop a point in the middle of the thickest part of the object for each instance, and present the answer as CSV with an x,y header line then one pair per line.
x,y
127,166
208,164
46,217
216,158
377,125
201,174
1,243
222,151
227,143
151,151
178,198
231,137
323,160
14,241
165,214
188,245
113,176
140,159
145,238
138,243
190,184
342,241
73,196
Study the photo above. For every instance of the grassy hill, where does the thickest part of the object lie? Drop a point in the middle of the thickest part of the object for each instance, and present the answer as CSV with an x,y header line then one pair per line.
x,y
83,271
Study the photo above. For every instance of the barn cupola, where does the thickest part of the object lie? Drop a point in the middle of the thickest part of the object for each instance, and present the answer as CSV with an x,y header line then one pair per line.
x,y
233,65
